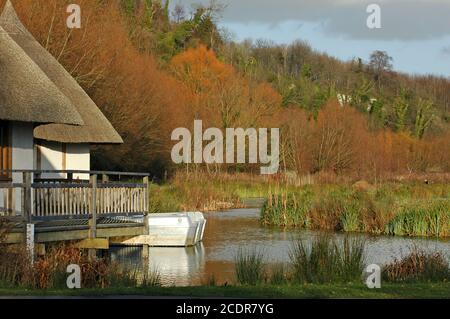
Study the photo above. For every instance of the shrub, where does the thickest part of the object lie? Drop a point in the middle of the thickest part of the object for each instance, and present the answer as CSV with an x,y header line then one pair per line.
x,y
49,271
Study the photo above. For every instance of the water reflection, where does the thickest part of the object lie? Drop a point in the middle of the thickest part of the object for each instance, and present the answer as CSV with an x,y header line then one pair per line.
x,y
179,266
227,231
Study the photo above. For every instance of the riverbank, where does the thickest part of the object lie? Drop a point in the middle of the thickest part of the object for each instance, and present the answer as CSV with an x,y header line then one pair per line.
x,y
387,291
397,206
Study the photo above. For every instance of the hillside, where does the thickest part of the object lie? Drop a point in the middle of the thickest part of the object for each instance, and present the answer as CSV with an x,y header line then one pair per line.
x,y
151,70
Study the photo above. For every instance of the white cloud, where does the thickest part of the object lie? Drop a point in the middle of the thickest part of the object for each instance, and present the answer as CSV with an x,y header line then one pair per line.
x,y
401,19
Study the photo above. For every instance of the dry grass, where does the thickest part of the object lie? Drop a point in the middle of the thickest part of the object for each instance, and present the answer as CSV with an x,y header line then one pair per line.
x,y
49,272
418,265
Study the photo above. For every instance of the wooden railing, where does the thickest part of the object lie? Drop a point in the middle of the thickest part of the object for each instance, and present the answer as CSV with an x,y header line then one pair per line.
x,y
76,199
8,200
35,197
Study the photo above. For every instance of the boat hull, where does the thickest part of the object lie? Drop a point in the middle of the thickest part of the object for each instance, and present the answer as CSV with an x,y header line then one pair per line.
x,y
171,229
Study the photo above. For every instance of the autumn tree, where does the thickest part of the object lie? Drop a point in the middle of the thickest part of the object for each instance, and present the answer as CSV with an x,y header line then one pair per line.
x,y
222,94
338,136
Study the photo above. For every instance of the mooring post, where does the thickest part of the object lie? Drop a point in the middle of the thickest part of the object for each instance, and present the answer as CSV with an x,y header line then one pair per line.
x,y
145,247
27,214
146,203
93,214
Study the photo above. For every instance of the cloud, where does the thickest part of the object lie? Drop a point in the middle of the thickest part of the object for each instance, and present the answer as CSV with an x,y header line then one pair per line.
x,y
401,19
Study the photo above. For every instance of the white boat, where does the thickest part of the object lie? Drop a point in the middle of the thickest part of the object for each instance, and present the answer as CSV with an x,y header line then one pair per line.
x,y
176,229
171,229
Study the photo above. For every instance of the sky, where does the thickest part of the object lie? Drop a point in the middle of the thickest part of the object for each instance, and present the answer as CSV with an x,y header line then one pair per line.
x,y
416,33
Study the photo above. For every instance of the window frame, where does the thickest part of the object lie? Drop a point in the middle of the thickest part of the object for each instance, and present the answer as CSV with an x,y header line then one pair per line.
x,y
5,150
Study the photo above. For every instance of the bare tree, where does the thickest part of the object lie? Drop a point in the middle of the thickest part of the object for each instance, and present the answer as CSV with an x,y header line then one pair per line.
x,y
380,63
178,13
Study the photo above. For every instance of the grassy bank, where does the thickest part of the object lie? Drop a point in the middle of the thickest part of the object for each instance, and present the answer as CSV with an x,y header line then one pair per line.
x,y
438,290
324,269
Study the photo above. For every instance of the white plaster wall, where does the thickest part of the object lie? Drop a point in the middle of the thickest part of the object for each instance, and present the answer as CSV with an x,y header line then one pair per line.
x,y
51,158
78,158
22,148
22,153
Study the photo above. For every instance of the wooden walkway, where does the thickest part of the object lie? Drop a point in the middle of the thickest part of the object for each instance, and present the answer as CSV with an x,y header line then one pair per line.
x,y
40,211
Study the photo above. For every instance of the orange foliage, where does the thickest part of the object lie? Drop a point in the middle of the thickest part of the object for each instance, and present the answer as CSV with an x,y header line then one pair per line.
x,y
145,103
140,100
340,141
223,97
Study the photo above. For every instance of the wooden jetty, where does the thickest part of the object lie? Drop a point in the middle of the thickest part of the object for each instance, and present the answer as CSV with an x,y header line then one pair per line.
x,y
38,211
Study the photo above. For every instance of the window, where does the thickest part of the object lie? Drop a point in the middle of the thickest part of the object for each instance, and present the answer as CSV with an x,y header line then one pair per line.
x,y
5,151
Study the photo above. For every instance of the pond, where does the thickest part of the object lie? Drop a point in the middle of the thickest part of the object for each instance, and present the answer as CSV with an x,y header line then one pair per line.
x,y
227,231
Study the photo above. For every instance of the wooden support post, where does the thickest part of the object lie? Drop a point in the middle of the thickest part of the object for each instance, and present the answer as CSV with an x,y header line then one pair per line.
x,y
105,178
27,216
146,204
93,214
27,213
29,228
146,248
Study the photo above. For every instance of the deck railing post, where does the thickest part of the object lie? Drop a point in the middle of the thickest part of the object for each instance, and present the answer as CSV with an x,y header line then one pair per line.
x,y
27,206
93,213
27,215
146,203
145,248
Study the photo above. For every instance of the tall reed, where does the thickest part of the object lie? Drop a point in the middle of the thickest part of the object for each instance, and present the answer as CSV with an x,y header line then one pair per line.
x,y
250,267
402,211
287,209
422,220
326,260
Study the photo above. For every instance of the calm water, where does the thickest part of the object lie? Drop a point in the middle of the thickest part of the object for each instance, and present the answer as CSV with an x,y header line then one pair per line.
x,y
227,231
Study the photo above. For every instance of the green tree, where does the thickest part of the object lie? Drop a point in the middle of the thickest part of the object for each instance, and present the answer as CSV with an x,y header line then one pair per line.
x,y
361,97
424,117
401,108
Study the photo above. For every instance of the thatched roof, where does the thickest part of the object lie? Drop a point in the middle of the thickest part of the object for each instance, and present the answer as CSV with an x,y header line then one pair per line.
x,y
96,129
26,93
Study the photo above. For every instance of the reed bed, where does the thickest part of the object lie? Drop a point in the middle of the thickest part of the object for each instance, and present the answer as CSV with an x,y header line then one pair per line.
x,y
278,274
402,211
418,266
427,220
326,260
249,267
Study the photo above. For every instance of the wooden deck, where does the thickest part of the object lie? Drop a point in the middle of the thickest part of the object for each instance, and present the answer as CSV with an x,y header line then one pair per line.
x,y
39,211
